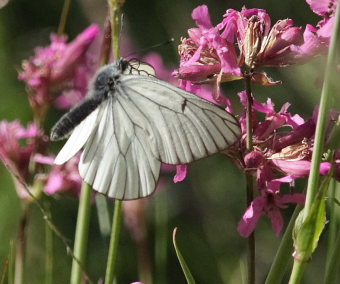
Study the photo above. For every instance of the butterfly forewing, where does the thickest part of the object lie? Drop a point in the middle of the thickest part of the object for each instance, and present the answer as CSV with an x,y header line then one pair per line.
x,y
78,138
136,67
185,127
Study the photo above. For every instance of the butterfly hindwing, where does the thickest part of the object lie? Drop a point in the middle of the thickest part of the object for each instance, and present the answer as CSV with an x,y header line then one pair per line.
x,y
116,161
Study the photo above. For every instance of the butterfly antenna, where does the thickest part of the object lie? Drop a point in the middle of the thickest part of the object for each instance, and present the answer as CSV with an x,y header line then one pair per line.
x,y
151,47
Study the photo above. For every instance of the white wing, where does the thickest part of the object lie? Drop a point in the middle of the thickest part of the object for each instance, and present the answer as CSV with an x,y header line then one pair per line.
x,y
117,160
182,127
137,67
146,122
78,138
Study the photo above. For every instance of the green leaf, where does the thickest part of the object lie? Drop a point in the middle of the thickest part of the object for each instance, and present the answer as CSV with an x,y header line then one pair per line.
x,y
185,268
307,232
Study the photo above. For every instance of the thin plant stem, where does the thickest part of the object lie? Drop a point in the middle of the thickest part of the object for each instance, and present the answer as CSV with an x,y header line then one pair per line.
x,y
161,236
106,42
4,270
326,93
11,268
250,181
332,268
21,246
333,223
115,15
284,252
82,229
313,180
297,272
63,16
49,253
112,256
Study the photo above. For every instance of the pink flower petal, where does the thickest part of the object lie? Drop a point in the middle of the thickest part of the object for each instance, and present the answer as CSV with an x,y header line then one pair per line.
x,y
276,219
299,168
201,16
181,173
250,218
38,158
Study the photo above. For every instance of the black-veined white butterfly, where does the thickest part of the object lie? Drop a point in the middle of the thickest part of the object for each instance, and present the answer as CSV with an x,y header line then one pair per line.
x,y
130,122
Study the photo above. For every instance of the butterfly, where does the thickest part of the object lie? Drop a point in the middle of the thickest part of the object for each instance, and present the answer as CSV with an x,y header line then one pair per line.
x,y
130,122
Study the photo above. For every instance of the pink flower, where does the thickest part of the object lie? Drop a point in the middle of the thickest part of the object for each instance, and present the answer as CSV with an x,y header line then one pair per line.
x,y
59,65
265,133
206,53
209,54
17,145
181,173
269,204
325,9
61,178
263,44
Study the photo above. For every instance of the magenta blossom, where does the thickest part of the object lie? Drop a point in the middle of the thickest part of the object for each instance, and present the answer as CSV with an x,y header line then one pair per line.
x,y
17,145
270,204
283,145
263,44
59,66
206,54
325,9
209,53
61,178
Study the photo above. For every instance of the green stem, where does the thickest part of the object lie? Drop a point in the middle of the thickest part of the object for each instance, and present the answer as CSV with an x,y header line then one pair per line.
x,y
161,237
333,223
297,272
21,246
115,13
112,256
63,16
250,180
326,93
106,43
11,267
4,270
313,181
49,253
332,269
81,235
284,252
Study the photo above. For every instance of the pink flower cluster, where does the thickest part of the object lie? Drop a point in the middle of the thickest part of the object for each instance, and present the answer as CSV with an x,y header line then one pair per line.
x,y
20,151
244,41
235,49
60,67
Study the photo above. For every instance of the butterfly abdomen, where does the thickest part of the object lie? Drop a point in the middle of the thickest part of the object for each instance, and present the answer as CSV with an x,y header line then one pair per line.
x,y
70,120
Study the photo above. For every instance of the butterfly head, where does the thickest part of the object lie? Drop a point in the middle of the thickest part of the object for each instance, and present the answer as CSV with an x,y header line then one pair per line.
x,y
109,75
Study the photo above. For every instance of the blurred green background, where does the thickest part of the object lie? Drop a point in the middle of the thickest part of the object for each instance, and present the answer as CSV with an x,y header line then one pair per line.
x,y
207,206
